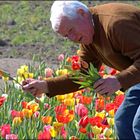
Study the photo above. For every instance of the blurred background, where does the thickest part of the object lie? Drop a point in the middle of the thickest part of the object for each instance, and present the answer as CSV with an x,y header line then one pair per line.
x,y
25,32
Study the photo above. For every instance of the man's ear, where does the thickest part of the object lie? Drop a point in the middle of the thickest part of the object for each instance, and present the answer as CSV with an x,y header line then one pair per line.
x,y
82,12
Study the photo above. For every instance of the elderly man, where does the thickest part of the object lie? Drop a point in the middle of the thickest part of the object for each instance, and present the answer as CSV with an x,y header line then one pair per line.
x,y
108,34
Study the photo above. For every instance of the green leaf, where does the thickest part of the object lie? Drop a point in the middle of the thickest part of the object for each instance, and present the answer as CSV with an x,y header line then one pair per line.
x,y
29,95
86,84
87,79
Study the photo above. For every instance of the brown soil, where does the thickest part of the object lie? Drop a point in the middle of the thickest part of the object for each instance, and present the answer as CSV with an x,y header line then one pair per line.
x,y
11,58
10,65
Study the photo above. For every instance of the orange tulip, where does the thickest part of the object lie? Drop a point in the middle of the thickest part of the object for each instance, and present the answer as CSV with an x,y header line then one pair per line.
x,y
46,119
82,130
27,113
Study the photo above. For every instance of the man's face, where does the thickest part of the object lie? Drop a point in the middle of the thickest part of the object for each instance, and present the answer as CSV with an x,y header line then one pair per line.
x,y
79,30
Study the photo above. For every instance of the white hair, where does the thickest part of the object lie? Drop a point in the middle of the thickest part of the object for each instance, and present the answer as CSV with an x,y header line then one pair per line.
x,y
65,8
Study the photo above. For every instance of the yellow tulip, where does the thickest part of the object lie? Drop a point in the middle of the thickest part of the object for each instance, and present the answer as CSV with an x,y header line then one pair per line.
x,y
60,98
119,92
17,121
110,121
20,72
69,95
5,78
107,132
62,72
31,75
53,132
69,102
96,130
111,113
24,67
57,126
78,52
100,114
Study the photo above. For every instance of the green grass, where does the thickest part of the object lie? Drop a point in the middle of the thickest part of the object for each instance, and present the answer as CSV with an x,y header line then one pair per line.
x,y
32,26
31,22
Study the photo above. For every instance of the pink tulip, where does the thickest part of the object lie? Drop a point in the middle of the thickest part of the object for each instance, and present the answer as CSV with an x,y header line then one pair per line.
x,y
15,113
48,72
11,137
46,128
81,110
36,114
40,78
46,106
63,132
101,137
5,129
61,57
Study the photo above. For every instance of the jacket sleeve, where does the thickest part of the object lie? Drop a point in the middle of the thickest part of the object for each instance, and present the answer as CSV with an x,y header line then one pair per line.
x,y
89,54
63,84
128,38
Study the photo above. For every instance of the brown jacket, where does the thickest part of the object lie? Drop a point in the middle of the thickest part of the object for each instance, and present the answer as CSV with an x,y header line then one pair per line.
x,y
116,43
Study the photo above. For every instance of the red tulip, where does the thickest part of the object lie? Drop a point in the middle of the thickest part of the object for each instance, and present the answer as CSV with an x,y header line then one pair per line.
x,y
110,106
75,65
119,99
83,121
85,100
61,108
44,135
2,99
99,104
75,58
82,130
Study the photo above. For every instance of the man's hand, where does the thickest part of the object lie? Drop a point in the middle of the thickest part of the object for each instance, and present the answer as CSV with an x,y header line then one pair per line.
x,y
35,87
107,86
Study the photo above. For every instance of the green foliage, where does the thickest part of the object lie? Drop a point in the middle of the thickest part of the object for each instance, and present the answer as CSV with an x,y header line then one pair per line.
x,y
27,23
88,79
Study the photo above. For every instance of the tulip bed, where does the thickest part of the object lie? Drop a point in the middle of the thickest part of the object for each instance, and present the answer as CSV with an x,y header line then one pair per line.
x,y
78,115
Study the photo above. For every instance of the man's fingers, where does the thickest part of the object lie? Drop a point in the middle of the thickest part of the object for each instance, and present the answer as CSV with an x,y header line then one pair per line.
x,y
24,83
33,90
99,88
97,83
36,93
28,86
27,81
103,92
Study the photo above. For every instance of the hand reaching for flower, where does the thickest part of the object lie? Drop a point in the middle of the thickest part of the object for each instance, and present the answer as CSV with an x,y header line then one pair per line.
x,y
35,87
107,86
